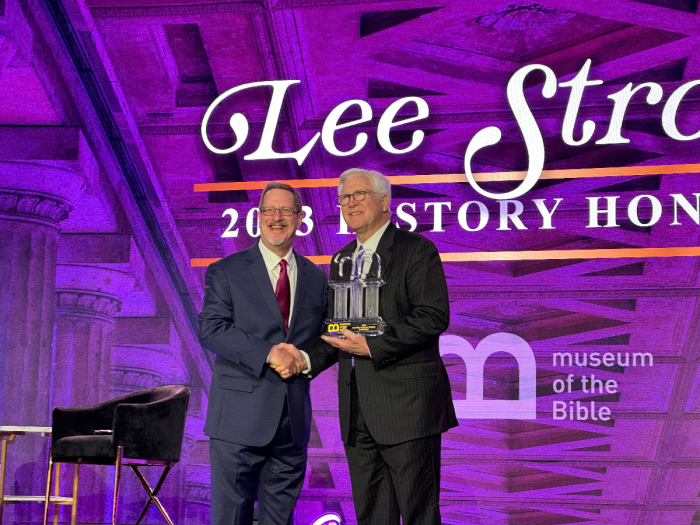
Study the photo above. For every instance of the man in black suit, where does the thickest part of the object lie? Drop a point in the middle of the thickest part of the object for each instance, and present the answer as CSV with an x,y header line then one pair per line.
x,y
259,413
395,398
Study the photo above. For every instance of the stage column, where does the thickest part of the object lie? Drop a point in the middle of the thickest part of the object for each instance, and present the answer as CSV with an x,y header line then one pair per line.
x,y
36,197
29,229
84,324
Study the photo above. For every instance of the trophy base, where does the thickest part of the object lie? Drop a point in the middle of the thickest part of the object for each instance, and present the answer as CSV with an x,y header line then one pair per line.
x,y
367,326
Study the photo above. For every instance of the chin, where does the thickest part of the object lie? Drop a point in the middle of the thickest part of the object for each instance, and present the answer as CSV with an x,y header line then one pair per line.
x,y
355,227
277,241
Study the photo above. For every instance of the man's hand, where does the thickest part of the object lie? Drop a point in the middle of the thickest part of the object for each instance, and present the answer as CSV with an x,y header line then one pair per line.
x,y
281,361
354,344
299,359
286,360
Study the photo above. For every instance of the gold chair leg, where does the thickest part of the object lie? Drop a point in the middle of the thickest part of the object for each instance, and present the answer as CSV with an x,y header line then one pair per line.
x,y
57,493
3,460
74,505
49,475
152,493
147,488
117,478
3,464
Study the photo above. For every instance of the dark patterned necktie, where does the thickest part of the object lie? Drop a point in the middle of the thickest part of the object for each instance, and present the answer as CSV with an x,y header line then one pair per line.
x,y
283,293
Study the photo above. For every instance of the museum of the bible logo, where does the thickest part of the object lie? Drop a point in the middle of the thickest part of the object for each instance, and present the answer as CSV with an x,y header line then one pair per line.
x,y
474,406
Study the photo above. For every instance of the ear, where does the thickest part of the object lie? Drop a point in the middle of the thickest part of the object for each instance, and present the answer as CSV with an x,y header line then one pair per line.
x,y
385,203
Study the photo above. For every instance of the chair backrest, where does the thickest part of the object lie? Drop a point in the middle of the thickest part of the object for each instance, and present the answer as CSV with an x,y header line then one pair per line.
x,y
150,424
149,395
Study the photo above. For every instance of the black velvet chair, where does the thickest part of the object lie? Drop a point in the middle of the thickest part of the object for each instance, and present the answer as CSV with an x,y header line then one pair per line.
x,y
143,428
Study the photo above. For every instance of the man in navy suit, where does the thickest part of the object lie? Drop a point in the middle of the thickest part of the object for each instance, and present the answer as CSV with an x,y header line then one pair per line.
x,y
259,408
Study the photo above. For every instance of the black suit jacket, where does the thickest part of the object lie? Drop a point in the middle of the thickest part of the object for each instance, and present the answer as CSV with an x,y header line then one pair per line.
x,y
240,322
403,388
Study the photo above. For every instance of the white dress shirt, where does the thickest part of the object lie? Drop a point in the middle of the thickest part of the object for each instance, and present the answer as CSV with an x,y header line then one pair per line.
x,y
272,263
373,241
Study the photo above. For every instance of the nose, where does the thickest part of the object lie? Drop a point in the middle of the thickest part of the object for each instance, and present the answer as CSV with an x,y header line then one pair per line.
x,y
276,213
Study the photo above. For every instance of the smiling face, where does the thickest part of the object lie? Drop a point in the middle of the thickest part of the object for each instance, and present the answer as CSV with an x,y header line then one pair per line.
x,y
277,231
368,215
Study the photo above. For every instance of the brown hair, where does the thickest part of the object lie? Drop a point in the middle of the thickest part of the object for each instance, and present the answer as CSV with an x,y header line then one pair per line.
x,y
282,186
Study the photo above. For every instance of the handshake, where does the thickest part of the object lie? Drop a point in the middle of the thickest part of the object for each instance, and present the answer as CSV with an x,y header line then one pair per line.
x,y
286,360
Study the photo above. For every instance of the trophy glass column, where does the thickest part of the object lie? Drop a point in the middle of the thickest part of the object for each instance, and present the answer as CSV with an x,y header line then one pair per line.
x,y
362,291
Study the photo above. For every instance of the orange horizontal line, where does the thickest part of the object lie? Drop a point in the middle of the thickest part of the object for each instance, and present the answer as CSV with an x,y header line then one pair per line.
x,y
316,259
461,177
613,253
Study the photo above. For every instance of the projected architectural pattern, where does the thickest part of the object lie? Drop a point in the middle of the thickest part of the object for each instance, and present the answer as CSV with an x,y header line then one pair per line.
x,y
90,309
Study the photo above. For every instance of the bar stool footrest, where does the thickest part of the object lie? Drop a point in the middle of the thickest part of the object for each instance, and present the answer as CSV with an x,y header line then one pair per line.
x,y
23,499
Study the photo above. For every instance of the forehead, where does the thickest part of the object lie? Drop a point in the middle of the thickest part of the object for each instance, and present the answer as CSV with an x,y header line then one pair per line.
x,y
357,182
279,197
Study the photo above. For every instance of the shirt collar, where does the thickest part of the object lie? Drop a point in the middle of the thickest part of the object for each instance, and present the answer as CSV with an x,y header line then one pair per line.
x,y
272,260
373,241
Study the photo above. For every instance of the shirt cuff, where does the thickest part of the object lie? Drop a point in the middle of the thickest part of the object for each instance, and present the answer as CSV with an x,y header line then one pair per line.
x,y
308,362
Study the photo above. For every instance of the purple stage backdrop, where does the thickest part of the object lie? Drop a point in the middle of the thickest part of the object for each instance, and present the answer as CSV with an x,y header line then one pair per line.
x,y
114,197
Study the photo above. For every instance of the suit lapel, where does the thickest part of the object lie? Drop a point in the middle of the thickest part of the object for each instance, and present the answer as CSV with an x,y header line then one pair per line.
x,y
385,249
258,270
300,290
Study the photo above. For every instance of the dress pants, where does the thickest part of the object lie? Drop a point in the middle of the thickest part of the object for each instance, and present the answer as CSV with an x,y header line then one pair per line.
x,y
275,472
389,481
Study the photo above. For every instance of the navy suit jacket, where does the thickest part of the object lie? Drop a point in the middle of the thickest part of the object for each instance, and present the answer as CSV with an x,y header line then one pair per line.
x,y
240,322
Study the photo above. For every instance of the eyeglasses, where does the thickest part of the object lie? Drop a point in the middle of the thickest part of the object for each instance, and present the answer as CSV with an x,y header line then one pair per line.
x,y
269,211
359,195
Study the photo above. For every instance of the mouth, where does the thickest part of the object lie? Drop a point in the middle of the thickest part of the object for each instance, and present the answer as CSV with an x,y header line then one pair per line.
x,y
356,213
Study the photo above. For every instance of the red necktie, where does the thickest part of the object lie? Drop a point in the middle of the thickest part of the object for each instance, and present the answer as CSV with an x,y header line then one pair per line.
x,y
283,294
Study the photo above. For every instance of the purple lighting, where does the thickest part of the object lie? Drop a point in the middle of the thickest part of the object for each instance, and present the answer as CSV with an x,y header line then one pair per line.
x,y
575,369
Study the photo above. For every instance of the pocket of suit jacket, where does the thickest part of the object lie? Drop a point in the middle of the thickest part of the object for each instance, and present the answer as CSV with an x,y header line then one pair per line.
x,y
242,384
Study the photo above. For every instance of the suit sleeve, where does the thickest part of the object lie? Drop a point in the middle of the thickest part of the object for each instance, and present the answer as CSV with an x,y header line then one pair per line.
x,y
326,290
430,315
321,354
217,327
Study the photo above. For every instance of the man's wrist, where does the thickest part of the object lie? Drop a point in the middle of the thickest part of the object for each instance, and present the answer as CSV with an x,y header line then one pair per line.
x,y
308,362
267,359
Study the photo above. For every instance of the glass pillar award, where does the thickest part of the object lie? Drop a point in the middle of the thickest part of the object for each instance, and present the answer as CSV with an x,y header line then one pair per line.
x,y
356,305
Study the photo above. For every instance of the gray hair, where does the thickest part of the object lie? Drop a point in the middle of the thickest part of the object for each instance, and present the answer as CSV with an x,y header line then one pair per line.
x,y
380,183
282,186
